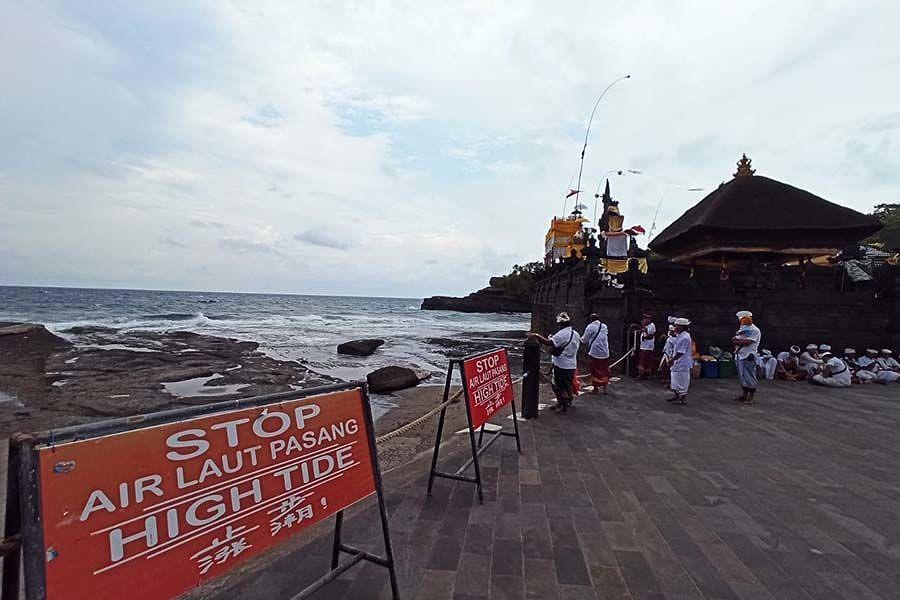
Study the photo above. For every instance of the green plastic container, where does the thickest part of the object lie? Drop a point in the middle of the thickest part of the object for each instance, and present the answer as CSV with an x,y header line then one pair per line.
x,y
726,368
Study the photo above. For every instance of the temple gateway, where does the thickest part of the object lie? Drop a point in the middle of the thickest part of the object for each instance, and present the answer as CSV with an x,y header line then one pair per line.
x,y
793,258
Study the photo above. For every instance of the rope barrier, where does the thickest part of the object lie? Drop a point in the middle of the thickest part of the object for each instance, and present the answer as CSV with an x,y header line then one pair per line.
x,y
615,364
413,424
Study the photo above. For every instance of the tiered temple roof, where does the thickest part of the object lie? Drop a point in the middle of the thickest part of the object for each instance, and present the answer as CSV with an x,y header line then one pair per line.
x,y
754,216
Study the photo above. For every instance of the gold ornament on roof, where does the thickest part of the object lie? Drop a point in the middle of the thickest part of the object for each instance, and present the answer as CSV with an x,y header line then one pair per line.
x,y
743,167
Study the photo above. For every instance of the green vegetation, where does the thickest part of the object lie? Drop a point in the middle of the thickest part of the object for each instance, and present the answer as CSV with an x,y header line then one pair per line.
x,y
520,281
887,239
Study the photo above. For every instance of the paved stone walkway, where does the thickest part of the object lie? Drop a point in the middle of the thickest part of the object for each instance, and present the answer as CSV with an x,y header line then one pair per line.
x,y
629,497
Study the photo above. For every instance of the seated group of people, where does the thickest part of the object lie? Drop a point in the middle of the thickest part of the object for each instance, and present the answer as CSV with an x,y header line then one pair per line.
x,y
818,364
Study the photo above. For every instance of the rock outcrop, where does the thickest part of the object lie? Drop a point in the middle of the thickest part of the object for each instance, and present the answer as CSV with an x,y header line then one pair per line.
x,y
359,347
487,300
393,378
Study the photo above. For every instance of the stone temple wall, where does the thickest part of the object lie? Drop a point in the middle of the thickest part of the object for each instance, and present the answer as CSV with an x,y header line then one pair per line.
x,y
828,309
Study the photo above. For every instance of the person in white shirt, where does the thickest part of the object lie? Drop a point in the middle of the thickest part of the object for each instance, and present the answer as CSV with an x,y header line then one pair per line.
x,y
888,368
810,361
767,363
789,367
835,373
681,362
746,343
596,340
668,352
868,366
647,344
564,346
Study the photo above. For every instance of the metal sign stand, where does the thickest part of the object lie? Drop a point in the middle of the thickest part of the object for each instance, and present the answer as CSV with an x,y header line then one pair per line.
x,y
478,448
23,517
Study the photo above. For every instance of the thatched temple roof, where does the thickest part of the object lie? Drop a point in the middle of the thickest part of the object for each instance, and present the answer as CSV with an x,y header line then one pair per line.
x,y
752,214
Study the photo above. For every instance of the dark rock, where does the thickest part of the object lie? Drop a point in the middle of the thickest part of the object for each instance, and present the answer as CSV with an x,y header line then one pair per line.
x,y
487,300
389,379
89,329
359,347
21,329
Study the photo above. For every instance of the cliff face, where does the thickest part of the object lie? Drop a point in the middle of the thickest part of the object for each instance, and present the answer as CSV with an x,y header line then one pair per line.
x,y
487,300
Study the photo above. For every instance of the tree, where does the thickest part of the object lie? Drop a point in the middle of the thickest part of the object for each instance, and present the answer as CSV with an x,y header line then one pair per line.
x,y
889,237
520,280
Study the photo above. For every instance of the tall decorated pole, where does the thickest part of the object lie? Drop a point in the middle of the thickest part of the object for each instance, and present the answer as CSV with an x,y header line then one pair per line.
x,y
588,132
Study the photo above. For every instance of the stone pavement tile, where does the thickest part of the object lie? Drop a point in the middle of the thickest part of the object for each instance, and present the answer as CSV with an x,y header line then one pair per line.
x,y
596,549
433,506
562,531
803,572
474,575
752,591
540,579
767,572
536,543
529,476
876,571
531,493
637,572
576,592
609,583
479,539
621,536
507,558
436,585
507,587
726,563
445,552
694,560
570,566
508,526
369,581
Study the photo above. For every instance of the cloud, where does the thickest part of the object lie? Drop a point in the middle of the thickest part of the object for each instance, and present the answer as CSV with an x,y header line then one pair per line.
x,y
229,128
174,243
316,237
245,246
205,224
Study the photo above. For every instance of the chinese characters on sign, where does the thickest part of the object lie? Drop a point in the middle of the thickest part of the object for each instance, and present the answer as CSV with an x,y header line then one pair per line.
x,y
156,511
488,385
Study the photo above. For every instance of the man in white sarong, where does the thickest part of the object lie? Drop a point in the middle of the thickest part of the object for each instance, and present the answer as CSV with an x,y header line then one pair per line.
x,y
868,366
888,367
834,372
681,362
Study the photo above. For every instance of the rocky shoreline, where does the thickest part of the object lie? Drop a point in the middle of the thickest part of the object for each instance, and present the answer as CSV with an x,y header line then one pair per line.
x,y
48,381
486,300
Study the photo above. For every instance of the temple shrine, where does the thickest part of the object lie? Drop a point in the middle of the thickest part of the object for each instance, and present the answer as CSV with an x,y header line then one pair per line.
x,y
795,259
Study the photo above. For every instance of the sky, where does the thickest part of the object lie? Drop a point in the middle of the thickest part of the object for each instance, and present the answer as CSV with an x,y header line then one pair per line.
x,y
409,148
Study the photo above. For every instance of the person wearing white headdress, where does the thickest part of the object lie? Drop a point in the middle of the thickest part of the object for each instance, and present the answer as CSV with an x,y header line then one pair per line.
x,y
851,361
888,367
868,366
668,352
810,360
767,364
746,349
834,372
789,367
681,362
647,344
564,346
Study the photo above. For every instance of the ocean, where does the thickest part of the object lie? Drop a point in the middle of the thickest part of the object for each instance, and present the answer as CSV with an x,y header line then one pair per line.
x,y
289,327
